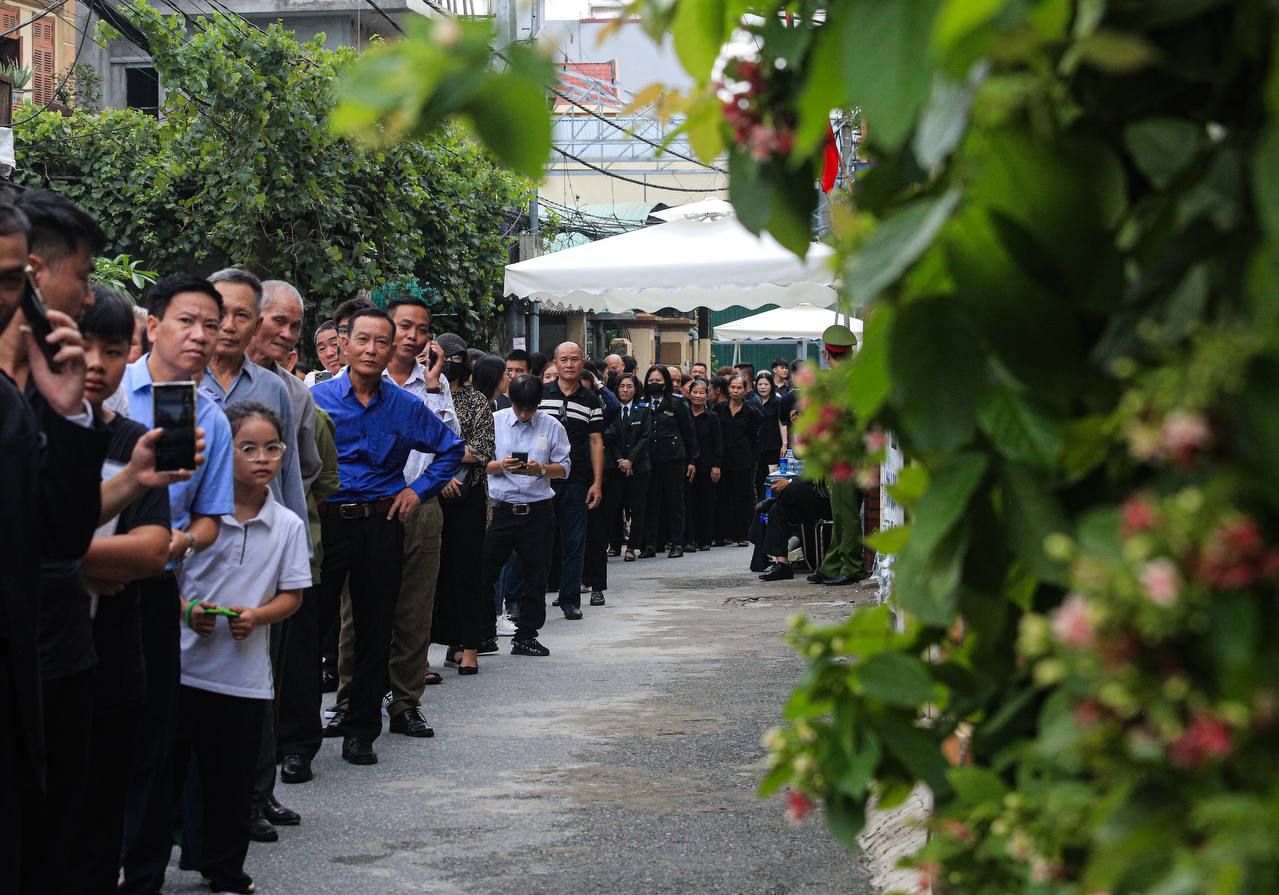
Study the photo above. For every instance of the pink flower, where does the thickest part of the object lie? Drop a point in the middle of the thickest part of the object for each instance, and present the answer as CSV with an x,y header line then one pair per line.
x,y
1161,581
1138,515
1072,622
957,830
1206,738
1184,435
842,470
1242,535
876,441
830,415
798,807
1089,712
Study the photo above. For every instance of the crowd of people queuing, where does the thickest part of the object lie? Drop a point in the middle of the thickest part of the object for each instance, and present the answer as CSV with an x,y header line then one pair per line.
x,y
169,636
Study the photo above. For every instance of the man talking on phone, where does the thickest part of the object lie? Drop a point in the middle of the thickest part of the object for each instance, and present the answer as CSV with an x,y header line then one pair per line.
x,y
50,457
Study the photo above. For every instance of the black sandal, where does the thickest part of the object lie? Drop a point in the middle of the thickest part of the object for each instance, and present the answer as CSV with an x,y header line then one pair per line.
x,y
433,677
453,657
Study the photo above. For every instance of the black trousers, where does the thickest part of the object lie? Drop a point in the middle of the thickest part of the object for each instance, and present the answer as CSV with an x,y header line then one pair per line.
x,y
369,552
737,497
223,732
595,560
297,691
764,461
629,493
101,828
149,813
664,514
699,499
529,538
800,503
68,709
264,779
20,797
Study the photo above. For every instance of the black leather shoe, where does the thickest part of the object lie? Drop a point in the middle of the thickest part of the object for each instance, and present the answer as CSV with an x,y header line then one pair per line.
x,y
328,680
676,553
529,647
412,723
487,646
278,815
260,829
358,751
296,769
817,578
597,598
647,553
572,613
845,580
779,572
690,548
336,726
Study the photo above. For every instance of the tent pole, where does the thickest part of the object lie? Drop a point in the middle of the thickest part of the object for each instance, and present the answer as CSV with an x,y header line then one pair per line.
x,y
737,351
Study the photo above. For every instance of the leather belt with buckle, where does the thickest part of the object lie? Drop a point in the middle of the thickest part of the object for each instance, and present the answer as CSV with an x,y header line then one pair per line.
x,y
357,510
519,509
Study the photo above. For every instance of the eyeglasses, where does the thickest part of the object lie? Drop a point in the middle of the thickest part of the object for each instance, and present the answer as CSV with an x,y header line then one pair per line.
x,y
272,451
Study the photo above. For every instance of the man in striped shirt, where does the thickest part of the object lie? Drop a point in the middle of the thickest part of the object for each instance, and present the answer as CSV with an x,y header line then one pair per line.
x,y
579,410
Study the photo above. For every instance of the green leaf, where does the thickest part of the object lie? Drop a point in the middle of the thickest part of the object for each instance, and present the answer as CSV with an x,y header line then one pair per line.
x,y
822,91
938,374
870,384
895,679
1116,52
911,484
944,503
976,786
510,115
944,120
698,33
957,19
1019,431
888,540
1032,513
896,244
845,817
1161,147
886,63
776,779
751,196
1265,185
916,750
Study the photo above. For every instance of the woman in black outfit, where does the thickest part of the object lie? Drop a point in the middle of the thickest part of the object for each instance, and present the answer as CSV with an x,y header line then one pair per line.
x,y
700,495
739,424
627,468
463,618
770,432
673,452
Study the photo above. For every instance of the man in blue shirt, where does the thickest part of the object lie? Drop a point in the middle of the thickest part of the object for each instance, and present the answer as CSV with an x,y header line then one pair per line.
x,y
184,312
362,525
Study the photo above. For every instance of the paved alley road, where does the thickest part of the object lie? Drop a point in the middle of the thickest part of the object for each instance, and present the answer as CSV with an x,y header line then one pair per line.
x,y
627,761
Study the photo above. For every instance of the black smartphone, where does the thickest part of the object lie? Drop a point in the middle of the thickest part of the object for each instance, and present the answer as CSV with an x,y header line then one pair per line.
x,y
522,456
33,309
173,406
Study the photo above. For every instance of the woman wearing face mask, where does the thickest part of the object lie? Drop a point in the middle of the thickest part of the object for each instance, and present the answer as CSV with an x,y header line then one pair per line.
x,y
462,616
700,494
673,453
740,424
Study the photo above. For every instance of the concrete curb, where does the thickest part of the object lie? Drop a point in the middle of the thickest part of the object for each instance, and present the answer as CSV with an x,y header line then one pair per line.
x,y
892,835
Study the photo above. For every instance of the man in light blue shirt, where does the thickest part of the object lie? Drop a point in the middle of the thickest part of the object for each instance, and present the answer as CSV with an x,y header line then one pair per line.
x,y
532,448
233,378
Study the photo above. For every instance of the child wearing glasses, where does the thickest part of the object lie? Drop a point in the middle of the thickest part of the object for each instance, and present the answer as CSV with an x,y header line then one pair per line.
x,y
250,578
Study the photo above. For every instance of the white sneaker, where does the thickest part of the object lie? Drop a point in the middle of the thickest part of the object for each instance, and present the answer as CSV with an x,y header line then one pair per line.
x,y
505,627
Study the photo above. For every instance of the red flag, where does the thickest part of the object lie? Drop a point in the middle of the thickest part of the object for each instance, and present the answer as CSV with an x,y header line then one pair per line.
x,y
830,161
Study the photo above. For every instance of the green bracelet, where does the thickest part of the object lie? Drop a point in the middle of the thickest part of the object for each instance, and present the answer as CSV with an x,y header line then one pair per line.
x,y
190,606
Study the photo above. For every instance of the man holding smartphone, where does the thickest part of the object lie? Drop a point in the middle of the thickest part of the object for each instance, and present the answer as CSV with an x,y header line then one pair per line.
x,y
49,458
185,312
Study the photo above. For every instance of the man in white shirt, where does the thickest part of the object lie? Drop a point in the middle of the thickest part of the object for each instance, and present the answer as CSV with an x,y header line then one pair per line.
x,y
531,449
407,667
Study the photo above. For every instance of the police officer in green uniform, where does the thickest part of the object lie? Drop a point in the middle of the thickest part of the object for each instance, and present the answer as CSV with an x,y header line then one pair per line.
x,y
843,563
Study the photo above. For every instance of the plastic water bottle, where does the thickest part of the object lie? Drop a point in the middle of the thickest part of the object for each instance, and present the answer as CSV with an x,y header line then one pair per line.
x,y
788,462
796,467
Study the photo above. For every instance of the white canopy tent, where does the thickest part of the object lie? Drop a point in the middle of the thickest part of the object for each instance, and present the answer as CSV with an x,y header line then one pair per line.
x,y
702,258
805,322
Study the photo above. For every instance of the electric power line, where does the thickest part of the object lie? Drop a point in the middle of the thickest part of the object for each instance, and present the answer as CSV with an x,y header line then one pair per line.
x,y
34,18
652,186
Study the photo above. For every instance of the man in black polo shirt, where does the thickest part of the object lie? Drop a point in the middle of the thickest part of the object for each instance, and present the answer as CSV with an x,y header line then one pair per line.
x,y
580,412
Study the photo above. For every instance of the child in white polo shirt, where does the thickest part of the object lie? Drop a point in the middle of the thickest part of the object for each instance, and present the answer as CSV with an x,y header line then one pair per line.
x,y
255,570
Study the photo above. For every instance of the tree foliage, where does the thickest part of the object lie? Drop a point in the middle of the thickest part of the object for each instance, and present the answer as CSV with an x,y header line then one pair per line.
x,y
1068,251
241,168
